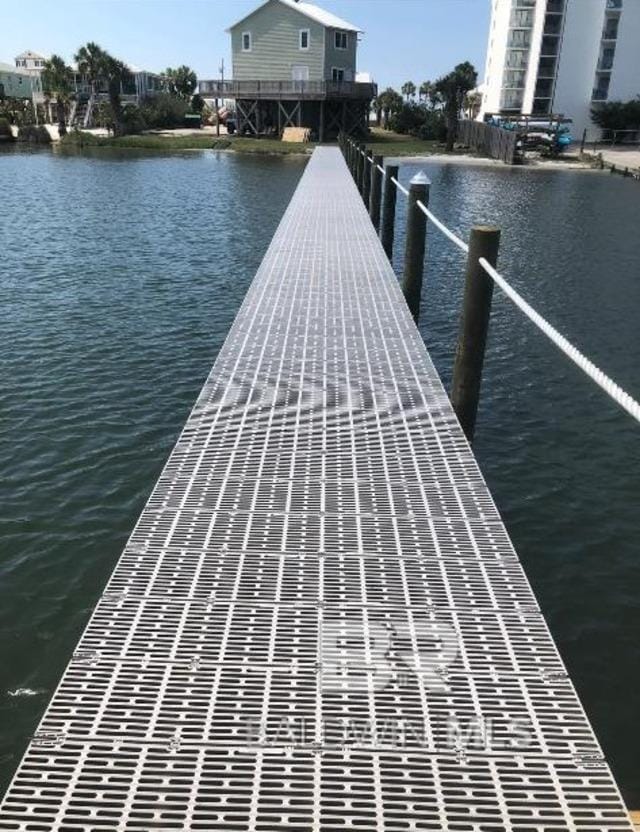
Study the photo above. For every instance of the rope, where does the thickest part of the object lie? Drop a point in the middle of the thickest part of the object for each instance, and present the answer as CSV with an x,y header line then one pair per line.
x,y
442,227
595,374
399,186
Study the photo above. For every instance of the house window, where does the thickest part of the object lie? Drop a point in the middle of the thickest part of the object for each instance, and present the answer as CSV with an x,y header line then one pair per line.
x,y
337,73
304,39
340,40
246,41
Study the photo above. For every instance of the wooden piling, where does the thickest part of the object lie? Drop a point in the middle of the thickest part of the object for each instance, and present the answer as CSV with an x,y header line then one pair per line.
x,y
415,243
387,223
474,326
376,192
366,178
360,167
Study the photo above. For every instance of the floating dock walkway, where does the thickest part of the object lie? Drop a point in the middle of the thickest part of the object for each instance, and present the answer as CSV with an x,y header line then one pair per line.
x,y
319,622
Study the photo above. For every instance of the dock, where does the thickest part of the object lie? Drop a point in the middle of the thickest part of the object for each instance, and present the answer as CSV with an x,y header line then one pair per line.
x,y
319,621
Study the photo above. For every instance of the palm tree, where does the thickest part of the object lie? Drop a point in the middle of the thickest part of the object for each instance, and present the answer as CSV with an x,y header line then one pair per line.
x,y
408,89
116,74
453,89
89,59
181,81
389,102
56,83
472,103
427,92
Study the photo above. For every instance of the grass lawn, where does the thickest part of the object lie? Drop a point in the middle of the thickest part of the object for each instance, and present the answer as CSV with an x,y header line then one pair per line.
x,y
388,143
148,141
384,142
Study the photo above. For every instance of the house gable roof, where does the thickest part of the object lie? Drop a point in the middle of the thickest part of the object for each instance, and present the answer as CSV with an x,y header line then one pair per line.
x,y
321,16
30,54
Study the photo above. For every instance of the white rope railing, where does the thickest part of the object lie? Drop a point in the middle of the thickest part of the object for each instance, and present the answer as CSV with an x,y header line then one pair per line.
x,y
442,227
399,186
613,390
610,387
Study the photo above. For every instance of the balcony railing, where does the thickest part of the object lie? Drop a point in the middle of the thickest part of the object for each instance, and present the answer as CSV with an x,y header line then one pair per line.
x,y
516,59
291,89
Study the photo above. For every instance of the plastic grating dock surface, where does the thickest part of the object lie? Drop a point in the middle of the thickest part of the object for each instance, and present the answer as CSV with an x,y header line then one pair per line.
x,y
319,621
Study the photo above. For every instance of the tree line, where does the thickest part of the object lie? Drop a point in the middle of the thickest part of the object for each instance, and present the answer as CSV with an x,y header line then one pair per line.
x,y
436,112
99,68
617,115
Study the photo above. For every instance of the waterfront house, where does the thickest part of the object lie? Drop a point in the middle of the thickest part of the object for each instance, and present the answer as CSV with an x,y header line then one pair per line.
x,y
17,83
31,62
29,65
294,64
142,84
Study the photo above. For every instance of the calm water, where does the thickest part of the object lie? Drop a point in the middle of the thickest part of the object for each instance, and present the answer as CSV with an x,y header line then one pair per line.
x,y
120,276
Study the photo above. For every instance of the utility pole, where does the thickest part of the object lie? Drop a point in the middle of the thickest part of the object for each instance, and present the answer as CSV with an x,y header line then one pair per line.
x,y
221,70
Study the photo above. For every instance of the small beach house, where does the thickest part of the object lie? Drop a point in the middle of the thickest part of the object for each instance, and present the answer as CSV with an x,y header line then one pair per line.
x,y
294,64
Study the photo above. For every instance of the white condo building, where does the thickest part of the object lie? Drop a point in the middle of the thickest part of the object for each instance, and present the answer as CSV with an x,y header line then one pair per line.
x,y
561,57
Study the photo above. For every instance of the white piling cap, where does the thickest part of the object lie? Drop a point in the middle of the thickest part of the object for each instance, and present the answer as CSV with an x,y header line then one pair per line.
x,y
420,178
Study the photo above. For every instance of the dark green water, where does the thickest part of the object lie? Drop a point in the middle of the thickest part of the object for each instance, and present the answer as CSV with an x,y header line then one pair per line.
x,y
119,278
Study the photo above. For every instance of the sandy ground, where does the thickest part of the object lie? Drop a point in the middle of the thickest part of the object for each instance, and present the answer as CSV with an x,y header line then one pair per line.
x,y
178,131
532,163
190,131
621,157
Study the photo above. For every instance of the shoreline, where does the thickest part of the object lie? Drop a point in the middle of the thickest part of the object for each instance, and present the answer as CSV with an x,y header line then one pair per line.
x,y
482,161
159,143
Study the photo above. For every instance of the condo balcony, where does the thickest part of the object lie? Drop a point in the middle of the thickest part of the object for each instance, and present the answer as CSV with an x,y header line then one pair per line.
x,y
516,59
522,19
518,39
547,67
550,46
553,24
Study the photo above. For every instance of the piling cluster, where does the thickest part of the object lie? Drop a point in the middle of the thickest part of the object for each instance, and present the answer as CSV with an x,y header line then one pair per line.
x,y
379,185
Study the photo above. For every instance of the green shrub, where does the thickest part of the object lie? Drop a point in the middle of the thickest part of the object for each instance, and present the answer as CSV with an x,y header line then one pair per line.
x,y
103,114
617,115
80,139
34,135
17,110
434,127
163,111
133,120
407,119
